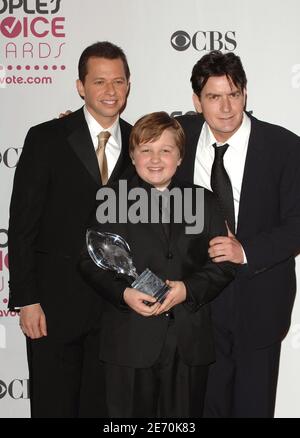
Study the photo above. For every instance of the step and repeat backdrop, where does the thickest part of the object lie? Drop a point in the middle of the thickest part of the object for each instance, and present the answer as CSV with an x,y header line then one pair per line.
x,y
40,44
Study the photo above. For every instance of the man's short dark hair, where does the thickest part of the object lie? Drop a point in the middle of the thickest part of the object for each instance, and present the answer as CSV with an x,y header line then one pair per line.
x,y
102,49
217,63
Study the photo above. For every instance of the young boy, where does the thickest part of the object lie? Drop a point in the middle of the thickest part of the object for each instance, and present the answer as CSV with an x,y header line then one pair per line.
x,y
155,358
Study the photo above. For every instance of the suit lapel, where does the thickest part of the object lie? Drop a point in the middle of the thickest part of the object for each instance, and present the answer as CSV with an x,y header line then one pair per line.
x,y
80,141
251,180
192,150
156,228
192,126
175,229
124,159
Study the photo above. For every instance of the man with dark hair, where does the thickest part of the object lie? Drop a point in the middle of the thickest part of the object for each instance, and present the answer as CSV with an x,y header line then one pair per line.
x,y
63,164
253,168
103,49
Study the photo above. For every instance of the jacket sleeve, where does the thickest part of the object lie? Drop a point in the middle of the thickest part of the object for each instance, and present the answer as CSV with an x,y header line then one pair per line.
x,y
207,282
27,203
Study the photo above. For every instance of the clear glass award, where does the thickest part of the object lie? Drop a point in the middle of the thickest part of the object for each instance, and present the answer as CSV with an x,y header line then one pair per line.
x,y
111,252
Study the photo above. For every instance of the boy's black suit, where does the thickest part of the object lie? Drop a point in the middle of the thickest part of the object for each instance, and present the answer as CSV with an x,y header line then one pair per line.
x,y
157,366
129,339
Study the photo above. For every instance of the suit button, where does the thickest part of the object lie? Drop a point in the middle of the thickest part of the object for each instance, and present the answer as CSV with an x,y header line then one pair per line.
x,y
169,256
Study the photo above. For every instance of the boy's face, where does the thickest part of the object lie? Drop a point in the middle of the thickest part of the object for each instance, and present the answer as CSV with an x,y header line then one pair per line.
x,y
222,105
157,161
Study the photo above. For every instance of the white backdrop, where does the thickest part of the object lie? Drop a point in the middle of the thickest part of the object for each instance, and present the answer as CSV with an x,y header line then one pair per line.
x,y
162,39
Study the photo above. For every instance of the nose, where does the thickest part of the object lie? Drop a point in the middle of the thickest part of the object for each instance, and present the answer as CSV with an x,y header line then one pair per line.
x,y
225,104
155,157
110,88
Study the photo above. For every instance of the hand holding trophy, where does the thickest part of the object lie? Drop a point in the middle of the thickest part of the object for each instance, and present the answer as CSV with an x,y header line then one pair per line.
x,y
111,252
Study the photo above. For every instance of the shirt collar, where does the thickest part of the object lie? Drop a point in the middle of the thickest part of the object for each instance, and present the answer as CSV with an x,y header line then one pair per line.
x,y
237,141
95,127
145,185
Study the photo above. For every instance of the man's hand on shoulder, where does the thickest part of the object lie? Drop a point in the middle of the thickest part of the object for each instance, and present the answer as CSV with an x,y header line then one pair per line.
x,y
66,113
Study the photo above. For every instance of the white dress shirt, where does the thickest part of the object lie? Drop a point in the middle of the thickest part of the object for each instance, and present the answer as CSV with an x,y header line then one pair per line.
x,y
114,144
234,159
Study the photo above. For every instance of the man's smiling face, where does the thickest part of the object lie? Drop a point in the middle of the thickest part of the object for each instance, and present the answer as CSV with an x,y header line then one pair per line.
x,y
104,89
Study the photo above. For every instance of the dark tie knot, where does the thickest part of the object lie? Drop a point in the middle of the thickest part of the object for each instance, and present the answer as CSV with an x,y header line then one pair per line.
x,y
220,150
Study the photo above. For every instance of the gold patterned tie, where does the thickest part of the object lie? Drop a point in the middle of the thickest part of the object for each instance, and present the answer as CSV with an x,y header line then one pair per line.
x,y
100,152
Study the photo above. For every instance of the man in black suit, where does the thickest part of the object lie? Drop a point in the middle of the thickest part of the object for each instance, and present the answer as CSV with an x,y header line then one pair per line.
x,y
261,162
155,358
63,164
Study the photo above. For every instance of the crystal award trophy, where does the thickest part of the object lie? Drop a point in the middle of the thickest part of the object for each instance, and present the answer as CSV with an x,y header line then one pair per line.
x,y
111,252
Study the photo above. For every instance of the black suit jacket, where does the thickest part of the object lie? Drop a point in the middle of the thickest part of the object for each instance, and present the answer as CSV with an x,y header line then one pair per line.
x,y
129,339
268,229
54,193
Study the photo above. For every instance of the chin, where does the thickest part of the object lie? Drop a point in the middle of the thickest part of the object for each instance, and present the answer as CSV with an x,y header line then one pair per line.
x,y
155,183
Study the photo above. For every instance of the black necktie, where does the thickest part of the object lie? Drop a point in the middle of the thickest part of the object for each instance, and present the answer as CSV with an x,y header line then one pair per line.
x,y
221,186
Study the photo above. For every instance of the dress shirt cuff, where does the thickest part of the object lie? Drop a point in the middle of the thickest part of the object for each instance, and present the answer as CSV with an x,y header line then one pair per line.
x,y
18,308
245,257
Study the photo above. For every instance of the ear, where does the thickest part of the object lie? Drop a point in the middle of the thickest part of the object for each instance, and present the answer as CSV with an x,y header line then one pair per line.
x,y
128,87
245,98
197,103
80,88
179,161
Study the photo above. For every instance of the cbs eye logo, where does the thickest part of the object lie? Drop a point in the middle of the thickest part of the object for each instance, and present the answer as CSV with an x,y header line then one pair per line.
x,y
180,40
204,40
17,389
3,389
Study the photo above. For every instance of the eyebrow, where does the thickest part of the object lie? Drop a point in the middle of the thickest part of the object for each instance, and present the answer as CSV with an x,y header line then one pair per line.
x,y
105,79
149,144
226,94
